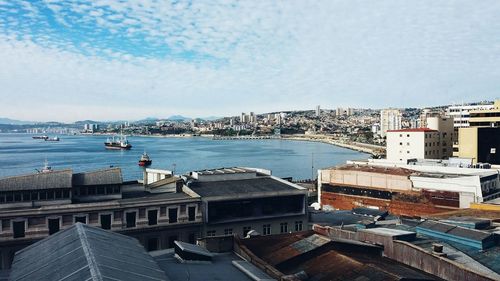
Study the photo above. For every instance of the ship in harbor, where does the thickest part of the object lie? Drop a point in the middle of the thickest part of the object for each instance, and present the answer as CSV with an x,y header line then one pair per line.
x,y
44,137
117,143
52,139
145,160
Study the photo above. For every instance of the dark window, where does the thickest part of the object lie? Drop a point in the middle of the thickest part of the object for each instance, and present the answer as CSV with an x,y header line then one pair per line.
x,y
171,241
100,190
246,229
105,221
130,217
191,213
192,238
9,197
17,197
34,195
92,190
26,196
116,189
210,233
109,190
19,227
284,227
54,226
65,193
58,194
83,191
172,215
152,244
266,229
298,226
153,217
82,219
50,194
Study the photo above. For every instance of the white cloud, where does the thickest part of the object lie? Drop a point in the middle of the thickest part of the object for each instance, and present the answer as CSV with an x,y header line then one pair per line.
x,y
224,57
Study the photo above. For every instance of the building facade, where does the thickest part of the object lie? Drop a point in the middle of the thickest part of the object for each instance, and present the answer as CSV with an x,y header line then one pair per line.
x,y
390,119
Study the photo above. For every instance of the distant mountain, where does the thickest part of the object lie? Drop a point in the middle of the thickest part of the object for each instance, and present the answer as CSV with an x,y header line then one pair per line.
x,y
210,118
178,118
15,122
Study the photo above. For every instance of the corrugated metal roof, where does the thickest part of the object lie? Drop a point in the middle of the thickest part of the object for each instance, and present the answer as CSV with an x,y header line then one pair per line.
x,y
48,180
85,253
100,177
455,230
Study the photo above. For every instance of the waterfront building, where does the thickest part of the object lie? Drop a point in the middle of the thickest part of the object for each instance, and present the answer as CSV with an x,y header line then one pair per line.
x,y
38,205
405,189
237,200
390,119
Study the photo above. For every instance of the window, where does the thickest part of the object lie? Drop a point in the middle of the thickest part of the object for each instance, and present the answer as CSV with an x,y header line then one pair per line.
x,y
266,229
298,226
152,244
228,231
58,194
284,227
172,215
100,190
211,233
192,238
92,190
246,229
130,218
54,225
82,219
191,213
19,228
171,240
152,217
105,221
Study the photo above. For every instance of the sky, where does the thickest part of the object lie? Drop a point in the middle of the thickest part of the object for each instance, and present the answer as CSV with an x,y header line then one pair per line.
x,y
127,60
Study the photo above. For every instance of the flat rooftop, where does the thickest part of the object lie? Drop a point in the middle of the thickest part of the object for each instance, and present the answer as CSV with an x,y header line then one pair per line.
x,y
221,267
263,184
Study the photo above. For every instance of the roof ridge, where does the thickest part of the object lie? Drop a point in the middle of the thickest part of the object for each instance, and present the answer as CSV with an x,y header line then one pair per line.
x,y
35,174
89,255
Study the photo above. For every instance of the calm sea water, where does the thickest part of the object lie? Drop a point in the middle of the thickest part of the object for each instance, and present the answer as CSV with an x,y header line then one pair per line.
x,y
20,154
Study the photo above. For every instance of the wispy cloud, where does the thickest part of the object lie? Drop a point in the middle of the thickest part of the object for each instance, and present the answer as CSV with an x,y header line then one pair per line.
x,y
222,57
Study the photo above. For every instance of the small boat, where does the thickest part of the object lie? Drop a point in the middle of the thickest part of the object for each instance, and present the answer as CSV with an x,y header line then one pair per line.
x,y
40,137
117,143
145,160
52,139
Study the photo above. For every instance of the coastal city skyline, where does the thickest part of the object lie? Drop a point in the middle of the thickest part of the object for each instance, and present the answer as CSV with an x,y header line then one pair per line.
x,y
127,60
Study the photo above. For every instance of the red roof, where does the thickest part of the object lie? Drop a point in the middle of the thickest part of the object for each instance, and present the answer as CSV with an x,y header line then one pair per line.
x,y
412,130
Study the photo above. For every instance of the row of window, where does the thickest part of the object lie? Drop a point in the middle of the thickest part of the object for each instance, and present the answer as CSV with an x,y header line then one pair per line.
x,y
54,224
266,229
28,196
96,190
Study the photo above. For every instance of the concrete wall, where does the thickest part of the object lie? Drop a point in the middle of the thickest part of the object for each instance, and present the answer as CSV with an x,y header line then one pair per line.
x,y
367,179
467,139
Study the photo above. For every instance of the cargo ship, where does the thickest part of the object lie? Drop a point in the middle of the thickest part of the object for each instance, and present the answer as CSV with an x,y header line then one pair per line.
x,y
117,143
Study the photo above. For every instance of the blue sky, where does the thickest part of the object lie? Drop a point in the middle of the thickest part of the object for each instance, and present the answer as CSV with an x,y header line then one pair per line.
x,y
102,59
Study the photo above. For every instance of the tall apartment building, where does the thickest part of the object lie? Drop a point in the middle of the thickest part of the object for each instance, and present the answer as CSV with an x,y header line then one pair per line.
x,y
480,141
318,111
461,113
390,119
344,111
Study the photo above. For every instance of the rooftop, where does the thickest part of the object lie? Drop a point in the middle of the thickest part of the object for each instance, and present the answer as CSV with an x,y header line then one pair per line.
x,y
85,253
44,180
263,184
320,258
412,130
99,177
378,169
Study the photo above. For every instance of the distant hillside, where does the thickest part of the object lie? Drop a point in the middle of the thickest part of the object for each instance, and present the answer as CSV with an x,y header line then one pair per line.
x,y
9,121
178,118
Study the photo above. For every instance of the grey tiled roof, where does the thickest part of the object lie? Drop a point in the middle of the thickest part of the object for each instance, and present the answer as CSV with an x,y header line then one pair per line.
x,y
99,177
54,179
85,253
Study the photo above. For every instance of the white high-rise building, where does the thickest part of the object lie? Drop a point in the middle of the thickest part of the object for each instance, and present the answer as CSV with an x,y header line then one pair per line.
x,y
390,119
460,113
318,111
